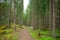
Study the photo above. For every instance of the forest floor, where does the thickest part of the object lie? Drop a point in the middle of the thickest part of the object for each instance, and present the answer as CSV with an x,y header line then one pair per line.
x,y
24,35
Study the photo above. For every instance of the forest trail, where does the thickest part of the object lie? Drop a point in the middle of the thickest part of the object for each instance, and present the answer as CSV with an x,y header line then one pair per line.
x,y
24,35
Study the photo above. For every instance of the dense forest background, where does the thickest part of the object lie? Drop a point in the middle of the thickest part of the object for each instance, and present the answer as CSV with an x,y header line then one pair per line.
x,y
42,17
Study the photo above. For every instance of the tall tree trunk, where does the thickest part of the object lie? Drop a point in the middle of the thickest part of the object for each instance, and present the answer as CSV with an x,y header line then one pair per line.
x,y
14,13
34,15
52,18
9,15
21,12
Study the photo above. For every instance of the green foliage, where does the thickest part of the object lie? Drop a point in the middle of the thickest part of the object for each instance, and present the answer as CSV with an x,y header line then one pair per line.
x,y
35,36
44,32
43,36
9,33
33,33
43,7
46,38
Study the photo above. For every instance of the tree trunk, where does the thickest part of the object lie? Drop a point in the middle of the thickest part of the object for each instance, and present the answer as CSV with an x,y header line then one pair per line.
x,y
21,12
9,15
14,13
52,18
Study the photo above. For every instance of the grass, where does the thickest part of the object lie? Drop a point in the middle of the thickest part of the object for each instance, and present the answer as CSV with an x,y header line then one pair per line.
x,y
43,37
10,36
10,33
34,35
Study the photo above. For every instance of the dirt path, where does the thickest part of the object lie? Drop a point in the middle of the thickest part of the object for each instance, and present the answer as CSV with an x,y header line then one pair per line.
x,y
24,35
